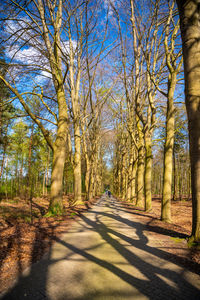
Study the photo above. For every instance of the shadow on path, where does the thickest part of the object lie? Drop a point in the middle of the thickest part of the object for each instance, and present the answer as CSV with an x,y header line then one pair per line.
x,y
161,280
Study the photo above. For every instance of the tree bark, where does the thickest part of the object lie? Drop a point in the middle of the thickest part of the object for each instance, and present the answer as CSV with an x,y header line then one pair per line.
x,y
77,164
123,174
133,181
147,175
91,183
56,204
190,31
128,192
29,163
59,156
175,176
43,183
131,176
140,177
47,172
168,152
3,160
87,175
119,183
140,167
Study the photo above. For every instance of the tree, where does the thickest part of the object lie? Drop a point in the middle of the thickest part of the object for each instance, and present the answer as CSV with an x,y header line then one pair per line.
x,y
38,26
181,174
173,63
190,32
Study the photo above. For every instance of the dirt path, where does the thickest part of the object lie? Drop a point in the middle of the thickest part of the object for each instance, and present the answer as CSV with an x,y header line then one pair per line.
x,y
106,254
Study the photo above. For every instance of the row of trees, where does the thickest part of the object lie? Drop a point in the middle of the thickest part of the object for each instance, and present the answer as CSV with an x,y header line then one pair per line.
x,y
151,70
148,82
25,163
54,59
56,68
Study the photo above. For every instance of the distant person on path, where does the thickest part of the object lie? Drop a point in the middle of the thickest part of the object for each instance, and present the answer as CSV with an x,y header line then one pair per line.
x,y
109,194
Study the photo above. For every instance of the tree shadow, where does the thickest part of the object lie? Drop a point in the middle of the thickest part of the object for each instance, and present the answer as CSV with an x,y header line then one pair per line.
x,y
154,228
158,280
23,247
41,209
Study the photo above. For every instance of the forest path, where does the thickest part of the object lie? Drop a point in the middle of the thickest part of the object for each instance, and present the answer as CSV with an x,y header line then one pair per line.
x,y
106,254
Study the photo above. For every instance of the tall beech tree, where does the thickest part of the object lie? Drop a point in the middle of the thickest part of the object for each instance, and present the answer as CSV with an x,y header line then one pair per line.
x,y
190,31
173,63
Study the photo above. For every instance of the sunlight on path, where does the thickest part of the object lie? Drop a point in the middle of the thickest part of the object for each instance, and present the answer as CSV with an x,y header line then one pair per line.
x,y
106,254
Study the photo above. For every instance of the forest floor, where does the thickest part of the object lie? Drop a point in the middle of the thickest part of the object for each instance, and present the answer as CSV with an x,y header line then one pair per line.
x,y
24,242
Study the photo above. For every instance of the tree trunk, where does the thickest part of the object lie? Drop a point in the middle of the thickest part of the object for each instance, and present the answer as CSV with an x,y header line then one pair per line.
x,y
175,175
119,183
94,175
47,172
91,183
29,164
6,181
87,161
77,165
87,175
180,178
56,204
43,183
168,153
123,180
11,188
147,175
59,156
189,184
129,179
140,177
133,180
21,186
3,161
190,32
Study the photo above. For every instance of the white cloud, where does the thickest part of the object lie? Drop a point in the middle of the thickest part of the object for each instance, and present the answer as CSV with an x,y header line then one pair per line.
x,y
26,55
65,47
32,54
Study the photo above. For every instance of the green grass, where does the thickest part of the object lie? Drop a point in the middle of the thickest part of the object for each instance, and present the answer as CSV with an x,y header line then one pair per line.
x,y
73,214
192,243
177,240
56,210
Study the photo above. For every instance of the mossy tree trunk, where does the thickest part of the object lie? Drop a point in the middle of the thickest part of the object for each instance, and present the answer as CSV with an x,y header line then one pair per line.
x,y
190,31
59,156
